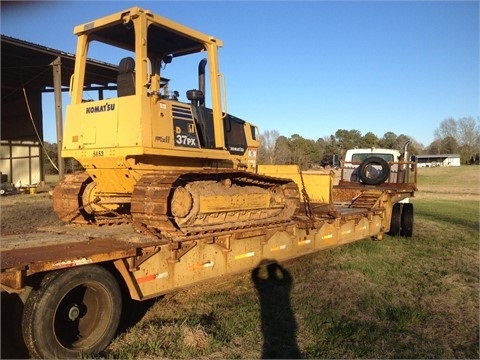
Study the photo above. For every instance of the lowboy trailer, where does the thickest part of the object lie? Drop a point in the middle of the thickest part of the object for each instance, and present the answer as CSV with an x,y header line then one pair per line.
x,y
70,278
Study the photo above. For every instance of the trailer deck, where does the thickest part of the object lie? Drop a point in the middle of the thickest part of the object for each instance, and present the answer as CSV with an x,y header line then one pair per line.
x,y
58,247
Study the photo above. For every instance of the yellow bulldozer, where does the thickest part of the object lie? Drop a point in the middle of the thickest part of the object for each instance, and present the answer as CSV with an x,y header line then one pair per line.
x,y
181,167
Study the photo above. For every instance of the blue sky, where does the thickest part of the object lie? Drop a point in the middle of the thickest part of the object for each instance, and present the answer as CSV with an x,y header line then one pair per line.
x,y
311,67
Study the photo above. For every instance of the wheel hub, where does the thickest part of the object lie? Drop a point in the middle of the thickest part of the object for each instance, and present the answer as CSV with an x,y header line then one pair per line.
x,y
74,312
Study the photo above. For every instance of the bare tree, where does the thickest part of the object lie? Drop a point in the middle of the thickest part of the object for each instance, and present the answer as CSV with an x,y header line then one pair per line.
x,y
267,146
464,132
469,132
447,127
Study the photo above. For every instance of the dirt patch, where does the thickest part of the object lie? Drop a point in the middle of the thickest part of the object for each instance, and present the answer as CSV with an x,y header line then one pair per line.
x,y
25,213
449,183
441,193
453,191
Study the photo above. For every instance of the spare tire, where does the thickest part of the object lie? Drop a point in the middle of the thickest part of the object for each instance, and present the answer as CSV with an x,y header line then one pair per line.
x,y
369,174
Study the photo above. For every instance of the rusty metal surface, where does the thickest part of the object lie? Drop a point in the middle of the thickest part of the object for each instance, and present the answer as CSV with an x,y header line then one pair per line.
x,y
71,233
62,247
64,243
68,253
346,191
342,184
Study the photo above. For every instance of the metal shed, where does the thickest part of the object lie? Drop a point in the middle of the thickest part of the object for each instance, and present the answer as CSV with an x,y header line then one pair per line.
x,y
28,71
433,160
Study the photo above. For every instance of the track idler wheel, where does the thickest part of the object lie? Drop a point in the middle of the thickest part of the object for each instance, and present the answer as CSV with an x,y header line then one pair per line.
x,y
182,202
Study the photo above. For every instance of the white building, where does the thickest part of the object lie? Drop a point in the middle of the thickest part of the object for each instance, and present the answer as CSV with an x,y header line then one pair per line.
x,y
433,160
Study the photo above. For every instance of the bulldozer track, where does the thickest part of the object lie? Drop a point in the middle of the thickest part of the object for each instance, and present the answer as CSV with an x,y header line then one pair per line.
x,y
67,203
178,236
152,197
67,198
150,208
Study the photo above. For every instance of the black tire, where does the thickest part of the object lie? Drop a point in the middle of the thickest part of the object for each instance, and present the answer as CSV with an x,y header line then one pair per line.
x,y
380,176
407,220
396,221
74,312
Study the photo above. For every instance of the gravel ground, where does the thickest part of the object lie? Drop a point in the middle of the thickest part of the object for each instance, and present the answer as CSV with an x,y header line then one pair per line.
x,y
25,213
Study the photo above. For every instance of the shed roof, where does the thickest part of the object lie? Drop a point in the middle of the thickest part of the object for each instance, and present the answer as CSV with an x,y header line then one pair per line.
x,y
430,156
25,64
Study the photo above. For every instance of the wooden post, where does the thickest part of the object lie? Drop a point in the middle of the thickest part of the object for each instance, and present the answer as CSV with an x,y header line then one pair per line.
x,y
57,87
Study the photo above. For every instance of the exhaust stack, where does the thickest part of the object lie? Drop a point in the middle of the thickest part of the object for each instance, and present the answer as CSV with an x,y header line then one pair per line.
x,y
405,151
201,79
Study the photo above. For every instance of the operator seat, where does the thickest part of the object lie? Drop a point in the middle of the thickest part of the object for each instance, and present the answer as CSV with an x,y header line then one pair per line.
x,y
126,77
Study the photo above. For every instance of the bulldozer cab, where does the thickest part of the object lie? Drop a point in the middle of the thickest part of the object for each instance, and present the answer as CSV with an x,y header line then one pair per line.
x,y
145,113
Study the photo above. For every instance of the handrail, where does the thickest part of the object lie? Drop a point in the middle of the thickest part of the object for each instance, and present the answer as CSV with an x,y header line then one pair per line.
x,y
348,167
70,86
223,95
148,72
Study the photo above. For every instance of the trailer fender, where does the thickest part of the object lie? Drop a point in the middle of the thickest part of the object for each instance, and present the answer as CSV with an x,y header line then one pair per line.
x,y
133,289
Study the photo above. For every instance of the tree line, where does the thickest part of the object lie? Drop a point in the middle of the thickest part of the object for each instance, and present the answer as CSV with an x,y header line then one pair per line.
x,y
50,162
461,136
453,136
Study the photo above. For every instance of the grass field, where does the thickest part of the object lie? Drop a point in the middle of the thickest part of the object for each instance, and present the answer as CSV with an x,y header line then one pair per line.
x,y
396,298
454,183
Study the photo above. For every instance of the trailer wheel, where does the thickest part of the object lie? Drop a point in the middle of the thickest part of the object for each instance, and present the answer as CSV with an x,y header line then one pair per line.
x,y
407,220
72,313
396,221
369,174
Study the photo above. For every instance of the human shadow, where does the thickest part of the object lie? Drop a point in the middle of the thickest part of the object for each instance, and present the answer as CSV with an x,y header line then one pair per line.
x,y
273,283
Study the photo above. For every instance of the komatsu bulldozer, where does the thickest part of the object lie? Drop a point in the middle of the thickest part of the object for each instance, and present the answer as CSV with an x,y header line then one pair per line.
x,y
180,167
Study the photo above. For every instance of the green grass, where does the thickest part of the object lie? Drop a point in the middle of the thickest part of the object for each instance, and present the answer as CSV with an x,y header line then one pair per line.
x,y
444,213
397,298
449,176
459,183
